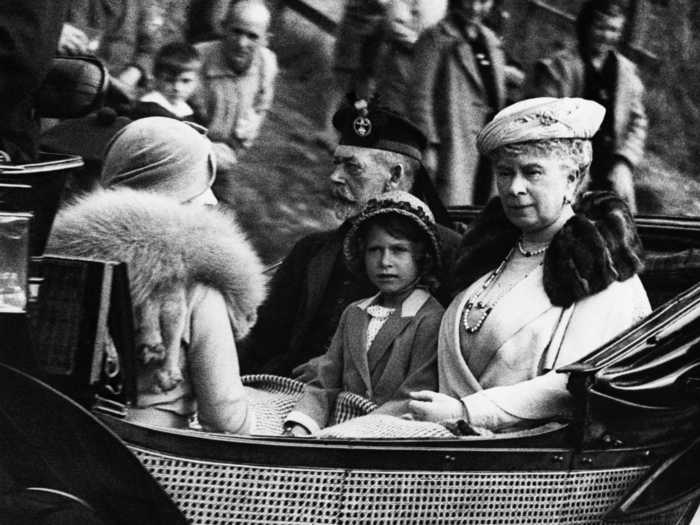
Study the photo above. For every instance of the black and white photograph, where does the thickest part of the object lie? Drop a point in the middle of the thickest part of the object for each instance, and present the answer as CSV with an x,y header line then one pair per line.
x,y
349,262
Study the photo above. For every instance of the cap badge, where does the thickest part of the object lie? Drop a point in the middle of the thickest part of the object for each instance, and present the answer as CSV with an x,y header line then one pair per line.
x,y
362,126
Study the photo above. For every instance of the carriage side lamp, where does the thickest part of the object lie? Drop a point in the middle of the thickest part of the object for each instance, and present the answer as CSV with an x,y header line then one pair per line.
x,y
33,289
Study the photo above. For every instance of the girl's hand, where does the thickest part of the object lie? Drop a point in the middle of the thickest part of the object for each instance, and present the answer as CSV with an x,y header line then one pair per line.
x,y
434,406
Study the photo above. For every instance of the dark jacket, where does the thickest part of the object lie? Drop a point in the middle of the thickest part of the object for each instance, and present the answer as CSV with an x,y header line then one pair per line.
x,y
30,30
287,331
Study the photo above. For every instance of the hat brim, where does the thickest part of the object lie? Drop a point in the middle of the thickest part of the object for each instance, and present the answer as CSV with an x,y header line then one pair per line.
x,y
351,246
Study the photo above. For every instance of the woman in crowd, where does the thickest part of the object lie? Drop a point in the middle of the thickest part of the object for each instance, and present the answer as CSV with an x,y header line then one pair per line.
x,y
543,285
196,281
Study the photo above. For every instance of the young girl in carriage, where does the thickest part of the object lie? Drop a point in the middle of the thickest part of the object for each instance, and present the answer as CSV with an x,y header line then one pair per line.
x,y
385,345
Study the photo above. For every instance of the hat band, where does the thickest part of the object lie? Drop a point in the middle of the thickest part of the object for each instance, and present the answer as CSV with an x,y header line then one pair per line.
x,y
387,145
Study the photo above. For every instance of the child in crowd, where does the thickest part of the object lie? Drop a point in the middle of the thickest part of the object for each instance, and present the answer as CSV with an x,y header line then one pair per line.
x,y
176,76
385,345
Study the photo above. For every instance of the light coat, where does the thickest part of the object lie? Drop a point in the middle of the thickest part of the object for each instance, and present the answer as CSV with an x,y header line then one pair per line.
x,y
448,101
401,359
563,75
196,283
506,375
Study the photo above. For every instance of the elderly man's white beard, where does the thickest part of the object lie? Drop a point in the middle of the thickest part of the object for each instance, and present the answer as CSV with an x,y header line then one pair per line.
x,y
344,209
344,204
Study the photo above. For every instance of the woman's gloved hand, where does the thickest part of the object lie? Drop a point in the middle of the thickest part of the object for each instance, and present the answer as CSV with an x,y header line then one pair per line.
x,y
426,405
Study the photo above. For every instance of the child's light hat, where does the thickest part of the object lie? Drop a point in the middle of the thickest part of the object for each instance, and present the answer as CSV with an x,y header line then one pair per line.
x,y
392,202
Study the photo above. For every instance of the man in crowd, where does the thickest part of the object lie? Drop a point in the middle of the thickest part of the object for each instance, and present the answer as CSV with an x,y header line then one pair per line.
x,y
124,35
373,53
379,151
458,85
30,32
599,72
237,80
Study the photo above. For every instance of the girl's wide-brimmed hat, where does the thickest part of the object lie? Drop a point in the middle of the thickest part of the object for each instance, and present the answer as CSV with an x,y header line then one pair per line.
x,y
393,202
542,118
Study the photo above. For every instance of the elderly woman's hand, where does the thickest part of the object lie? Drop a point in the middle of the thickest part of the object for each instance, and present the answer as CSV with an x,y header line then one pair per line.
x,y
434,406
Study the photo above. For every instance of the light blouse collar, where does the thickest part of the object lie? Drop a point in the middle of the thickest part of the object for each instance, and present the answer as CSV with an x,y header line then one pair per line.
x,y
410,305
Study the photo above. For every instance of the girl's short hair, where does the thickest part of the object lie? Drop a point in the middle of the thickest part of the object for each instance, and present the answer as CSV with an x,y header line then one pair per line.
x,y
405,217
403,228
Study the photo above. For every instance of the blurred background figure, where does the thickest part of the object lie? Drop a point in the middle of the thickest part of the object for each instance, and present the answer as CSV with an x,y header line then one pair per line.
x,y
124,34
175,78
599,72
206,19
25,58
237,84
405,21
374,53
457,86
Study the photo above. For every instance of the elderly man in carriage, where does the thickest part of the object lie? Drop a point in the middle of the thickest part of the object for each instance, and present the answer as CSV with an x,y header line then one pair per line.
x,y
379,151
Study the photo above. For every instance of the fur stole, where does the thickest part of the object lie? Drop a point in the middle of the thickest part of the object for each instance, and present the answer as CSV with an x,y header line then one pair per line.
x,y
597,246
167,246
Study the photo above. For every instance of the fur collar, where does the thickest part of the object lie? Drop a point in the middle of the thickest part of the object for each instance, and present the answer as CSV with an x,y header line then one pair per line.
x,y
166,245
597,246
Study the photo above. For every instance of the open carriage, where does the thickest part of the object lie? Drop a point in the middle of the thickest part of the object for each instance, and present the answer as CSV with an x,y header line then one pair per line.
x,y
628,456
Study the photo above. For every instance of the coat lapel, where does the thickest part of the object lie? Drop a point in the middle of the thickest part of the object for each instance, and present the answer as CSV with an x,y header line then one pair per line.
x,y
622,96
394,326
532,301
498,66
355,341
386,335
464,53
466,57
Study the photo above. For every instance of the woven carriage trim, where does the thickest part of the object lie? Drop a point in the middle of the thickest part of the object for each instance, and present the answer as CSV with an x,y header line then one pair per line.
x,y
273,383
273,398
384,426
211,493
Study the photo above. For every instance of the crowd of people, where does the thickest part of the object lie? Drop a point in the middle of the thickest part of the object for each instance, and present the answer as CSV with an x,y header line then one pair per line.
x,y
394,305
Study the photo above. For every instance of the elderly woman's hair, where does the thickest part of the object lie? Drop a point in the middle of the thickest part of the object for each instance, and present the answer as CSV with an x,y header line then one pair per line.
x,y
578,151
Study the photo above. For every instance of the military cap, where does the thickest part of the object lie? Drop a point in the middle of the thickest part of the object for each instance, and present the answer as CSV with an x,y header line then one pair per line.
x,y
367,125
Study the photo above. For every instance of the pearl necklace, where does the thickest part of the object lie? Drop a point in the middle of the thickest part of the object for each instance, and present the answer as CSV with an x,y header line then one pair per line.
x,y
530,253
474,302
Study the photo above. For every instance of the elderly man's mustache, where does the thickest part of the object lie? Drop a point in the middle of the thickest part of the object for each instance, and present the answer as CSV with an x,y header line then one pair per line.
x,y
342,194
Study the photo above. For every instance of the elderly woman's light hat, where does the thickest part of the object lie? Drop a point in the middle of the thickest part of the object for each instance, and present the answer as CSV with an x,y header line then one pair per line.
x,y
161,155
541,118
